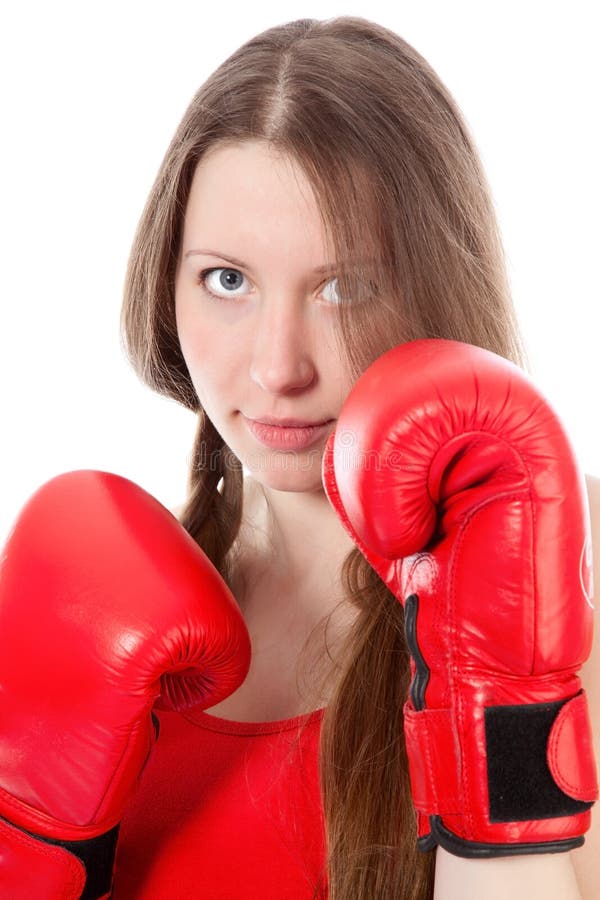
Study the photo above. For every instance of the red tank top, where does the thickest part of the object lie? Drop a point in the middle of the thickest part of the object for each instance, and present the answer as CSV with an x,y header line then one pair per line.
x,y
226,810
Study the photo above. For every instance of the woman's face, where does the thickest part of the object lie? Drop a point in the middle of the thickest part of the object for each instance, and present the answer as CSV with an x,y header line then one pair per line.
x,y
256,319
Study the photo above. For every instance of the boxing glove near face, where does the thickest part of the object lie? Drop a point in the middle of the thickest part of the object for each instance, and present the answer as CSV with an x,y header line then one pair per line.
x,y
107,608
457,482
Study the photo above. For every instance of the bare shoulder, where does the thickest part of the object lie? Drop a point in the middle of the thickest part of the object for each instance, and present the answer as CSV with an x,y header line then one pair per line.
x,y
593,486
177,510
586,859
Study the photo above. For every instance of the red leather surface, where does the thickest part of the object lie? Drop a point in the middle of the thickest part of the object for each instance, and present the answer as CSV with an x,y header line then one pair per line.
x,y
33,869
570,753
432,745
225,810
457,481
107,606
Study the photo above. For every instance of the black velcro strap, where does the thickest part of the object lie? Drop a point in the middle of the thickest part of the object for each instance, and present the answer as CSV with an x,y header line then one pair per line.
x,y
521,786
98,856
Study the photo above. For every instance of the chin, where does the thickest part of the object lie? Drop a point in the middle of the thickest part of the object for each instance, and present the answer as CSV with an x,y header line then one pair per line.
x,y
295,474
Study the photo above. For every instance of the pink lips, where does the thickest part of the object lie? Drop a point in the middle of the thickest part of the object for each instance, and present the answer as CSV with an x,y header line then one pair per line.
x,y
287,434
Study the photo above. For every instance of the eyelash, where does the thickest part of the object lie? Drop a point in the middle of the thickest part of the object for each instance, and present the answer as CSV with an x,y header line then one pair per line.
x,y
203,275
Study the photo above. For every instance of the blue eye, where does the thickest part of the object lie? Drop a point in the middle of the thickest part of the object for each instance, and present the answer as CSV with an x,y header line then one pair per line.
x,y
229,280
337,297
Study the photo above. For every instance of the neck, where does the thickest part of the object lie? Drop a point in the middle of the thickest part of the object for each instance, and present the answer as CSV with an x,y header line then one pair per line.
x,y
297,532
292,547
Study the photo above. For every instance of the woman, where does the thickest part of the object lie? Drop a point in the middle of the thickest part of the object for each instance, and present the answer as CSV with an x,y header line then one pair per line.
x,y
321,203
348,109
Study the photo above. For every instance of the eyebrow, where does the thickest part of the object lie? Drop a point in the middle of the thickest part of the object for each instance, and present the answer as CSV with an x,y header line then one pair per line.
x,y
238,262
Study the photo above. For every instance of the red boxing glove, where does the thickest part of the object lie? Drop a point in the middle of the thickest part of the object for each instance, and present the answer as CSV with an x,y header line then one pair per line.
x,y
457,482
107,607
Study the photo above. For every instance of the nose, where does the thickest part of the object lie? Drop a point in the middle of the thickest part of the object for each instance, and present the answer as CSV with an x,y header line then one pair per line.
x,y
282,360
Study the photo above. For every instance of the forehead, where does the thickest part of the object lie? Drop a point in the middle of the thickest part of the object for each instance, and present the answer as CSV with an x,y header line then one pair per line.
x,y
252,170
247,189
252,194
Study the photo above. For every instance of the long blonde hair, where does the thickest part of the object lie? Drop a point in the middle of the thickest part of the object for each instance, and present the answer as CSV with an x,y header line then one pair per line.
x,y
393,166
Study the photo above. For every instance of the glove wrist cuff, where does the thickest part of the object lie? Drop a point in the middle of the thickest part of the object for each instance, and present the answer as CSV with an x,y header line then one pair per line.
x,y
532,782
46,867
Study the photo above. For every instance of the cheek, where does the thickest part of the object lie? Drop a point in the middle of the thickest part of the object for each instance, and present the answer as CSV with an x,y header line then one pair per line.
x,y
207,374
208,351
197,346
339,377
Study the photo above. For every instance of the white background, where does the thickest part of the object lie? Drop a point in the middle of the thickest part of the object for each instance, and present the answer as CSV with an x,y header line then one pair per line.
x,y
90,98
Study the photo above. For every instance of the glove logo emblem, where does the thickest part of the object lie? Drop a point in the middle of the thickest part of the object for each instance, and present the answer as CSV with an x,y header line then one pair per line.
x,y
586,574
